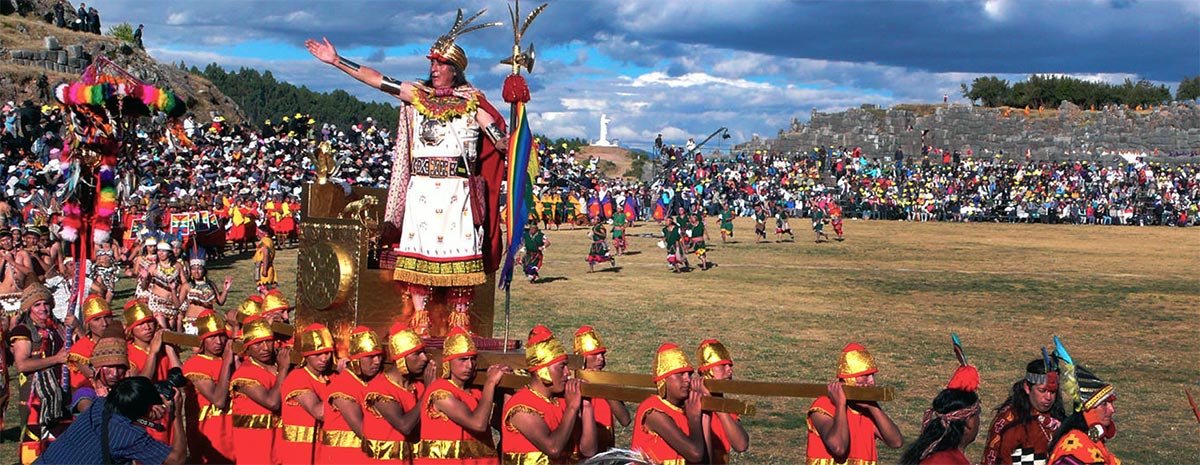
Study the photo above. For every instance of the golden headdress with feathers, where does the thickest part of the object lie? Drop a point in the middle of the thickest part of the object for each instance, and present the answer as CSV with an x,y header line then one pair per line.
x,y
444,49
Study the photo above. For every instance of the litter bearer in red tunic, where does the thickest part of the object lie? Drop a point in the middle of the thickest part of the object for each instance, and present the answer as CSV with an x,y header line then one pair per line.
x,y
607,412
255,393
341,440
727,431
455,418
668,427
547,421
391,423
841,431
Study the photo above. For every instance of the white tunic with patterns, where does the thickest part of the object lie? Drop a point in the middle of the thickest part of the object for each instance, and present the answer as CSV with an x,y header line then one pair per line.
x,y
439,243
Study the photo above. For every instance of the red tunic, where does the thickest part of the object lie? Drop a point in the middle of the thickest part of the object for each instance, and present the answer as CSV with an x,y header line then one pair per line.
x,y
515,448
383,443
209,428
650,442
862,436
298,429
947,457
606,439
79,355
1004,438
138,358
339,444
442,440
254,427
720,440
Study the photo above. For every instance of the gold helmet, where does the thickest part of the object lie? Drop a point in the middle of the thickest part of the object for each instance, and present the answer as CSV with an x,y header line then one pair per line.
x,y
135,313
256,329
252,306
95,307
445,50
855,361
710,354
541,351
588,342
314,339
402,341
459,343
667,361
364,342
210,323
275,302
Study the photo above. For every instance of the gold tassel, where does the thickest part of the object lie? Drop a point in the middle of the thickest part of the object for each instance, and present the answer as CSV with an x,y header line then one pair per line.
x,y
420,322
460,319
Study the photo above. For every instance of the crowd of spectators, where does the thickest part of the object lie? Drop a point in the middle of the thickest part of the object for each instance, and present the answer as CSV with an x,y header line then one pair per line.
x,y
940,186
207,166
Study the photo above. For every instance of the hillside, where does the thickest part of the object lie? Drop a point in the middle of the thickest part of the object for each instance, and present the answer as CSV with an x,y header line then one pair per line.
x,y
24,56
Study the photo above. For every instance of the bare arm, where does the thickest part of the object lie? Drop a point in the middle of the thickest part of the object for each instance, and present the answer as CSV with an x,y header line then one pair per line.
x,y
690,446
326,52
738,439
351,411
555,443
178,455
312,404
404,422
476,421
24,361
619,411
834,431
885,427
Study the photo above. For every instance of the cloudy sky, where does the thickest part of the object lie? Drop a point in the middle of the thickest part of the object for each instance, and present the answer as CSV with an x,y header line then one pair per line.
x,y
684,68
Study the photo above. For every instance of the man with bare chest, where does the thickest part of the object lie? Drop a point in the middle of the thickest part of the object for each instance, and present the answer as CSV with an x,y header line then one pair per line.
x,y
14,267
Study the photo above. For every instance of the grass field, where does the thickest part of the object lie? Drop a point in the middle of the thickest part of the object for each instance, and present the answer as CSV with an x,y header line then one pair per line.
x,y
1123,299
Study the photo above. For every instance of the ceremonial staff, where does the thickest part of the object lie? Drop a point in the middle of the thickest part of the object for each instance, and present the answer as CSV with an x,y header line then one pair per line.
x,y
520,145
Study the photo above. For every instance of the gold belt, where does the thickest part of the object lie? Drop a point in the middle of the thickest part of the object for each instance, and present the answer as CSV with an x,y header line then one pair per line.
x,y
298,433
435,167
524,458
337,438
386,450
451,449
849,461
258,421
211,411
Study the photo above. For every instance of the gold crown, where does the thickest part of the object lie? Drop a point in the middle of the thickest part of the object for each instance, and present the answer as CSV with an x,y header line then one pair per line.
x,y
668,361
712,353
364,342
210,323
444,48
588,342
135,313
855,361
256,330
95,307
315,339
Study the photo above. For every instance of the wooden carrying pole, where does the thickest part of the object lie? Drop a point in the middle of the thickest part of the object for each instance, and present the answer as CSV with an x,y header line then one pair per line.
x,y
627,394
750,388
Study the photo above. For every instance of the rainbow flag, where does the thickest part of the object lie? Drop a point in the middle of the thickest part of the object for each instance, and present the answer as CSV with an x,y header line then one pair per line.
x,y
521,170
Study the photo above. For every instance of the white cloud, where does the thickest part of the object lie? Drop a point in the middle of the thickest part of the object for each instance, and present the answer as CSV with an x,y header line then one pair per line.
x,y
997,9
692,80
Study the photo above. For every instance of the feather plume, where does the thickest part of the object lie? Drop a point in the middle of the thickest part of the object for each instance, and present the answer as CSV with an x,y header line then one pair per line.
x,y
529,19
958,350
1068,384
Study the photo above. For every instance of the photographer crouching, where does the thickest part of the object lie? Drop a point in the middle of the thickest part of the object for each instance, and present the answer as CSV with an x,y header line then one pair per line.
x,y
116,427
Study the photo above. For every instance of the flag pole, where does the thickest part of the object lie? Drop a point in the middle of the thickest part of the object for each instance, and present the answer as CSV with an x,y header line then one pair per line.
x,y
516,93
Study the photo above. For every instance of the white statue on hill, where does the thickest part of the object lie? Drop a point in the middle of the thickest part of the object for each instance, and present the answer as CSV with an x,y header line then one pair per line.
x,y
604,142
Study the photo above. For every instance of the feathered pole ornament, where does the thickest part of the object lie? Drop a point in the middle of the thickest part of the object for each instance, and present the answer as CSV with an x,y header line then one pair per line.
x,y
521,165
1068,384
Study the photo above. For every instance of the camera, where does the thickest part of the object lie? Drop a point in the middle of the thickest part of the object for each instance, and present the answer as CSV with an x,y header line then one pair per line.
x,y
175,380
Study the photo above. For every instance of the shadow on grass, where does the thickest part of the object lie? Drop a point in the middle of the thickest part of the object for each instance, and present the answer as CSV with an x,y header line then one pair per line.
x,y
632,252
611,269
552,279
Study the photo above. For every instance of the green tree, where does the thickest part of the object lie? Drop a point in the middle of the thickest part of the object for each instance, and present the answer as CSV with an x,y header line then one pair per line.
x,y
122,31
1189,89
989,90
